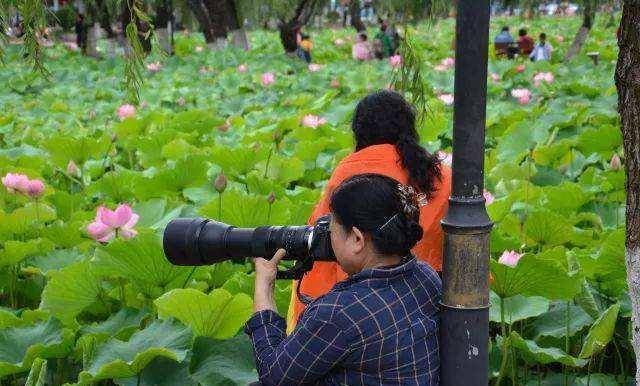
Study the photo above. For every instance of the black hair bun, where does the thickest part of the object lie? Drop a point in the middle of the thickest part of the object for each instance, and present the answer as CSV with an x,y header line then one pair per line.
x,y
400,235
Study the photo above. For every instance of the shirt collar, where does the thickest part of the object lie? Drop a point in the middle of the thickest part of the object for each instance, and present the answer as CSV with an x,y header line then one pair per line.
x,y
387,272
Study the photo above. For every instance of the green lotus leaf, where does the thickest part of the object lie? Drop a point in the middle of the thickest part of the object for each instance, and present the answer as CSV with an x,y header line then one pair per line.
x,y
140,260
53,261
247,210
554,322
16,251
547,228
187,172
216,315
242,282
70,290
38,373
535,276
517,308
161,371
603,139
118,325
223,362
611,257
64,148
154,213
600,333
22,345
118,359
544,355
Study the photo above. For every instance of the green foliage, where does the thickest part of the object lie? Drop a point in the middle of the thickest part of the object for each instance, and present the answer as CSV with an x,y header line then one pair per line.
x,y
76,310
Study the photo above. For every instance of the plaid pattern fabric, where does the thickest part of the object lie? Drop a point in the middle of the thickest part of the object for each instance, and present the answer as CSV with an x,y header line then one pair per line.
x,y
378,327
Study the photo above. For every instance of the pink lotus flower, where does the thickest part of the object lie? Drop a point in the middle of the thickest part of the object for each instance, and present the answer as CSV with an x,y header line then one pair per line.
x,y
447,99
522,94
542,77
199,48
449,62
243,68
395,61
16,183
444,157
72,168
520,68
35,189
154,66
313,67
108,223
126,111
72,46
560,38
268,78
311,120
335,83
488,197
338,42
495,77
445,64
510,258
615,163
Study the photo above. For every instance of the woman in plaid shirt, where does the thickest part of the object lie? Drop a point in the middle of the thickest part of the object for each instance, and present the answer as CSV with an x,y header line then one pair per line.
x,y
377,327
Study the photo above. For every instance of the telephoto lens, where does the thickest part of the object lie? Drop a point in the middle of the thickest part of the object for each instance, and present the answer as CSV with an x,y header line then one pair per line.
x,y
198,241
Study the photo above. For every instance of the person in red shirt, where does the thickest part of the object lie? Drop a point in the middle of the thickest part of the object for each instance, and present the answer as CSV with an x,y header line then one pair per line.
x,y
525,43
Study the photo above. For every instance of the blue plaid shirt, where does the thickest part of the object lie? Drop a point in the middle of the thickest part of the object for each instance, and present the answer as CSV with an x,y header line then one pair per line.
x,y
378,327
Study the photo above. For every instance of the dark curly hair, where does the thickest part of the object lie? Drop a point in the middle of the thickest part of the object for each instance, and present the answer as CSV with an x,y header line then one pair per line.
x,y
386,117
375,205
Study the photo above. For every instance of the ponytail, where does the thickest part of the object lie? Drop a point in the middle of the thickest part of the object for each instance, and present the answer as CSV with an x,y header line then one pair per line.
x,y
423,167
386,117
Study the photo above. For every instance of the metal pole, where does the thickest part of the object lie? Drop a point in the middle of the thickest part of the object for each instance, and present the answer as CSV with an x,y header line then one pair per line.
x,y
464,327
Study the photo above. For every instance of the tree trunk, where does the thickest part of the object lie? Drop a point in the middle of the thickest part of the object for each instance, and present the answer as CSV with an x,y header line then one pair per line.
x,y
288,37
235,26
93,33
217,10
162,25
301,17
202,16
354,12
105,18
628,84
583,32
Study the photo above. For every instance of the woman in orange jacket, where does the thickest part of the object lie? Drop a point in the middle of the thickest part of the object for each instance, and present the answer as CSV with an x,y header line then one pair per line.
x,y
387,143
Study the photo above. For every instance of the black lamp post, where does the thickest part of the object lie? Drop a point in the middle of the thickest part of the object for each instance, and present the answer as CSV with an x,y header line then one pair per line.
x,y
464,328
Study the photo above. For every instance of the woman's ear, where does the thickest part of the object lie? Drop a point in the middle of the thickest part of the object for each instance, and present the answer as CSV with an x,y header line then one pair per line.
x,y
356,240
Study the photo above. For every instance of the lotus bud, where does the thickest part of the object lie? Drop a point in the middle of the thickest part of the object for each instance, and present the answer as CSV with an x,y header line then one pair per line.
x,y
272,198
72,168
616,163
220,184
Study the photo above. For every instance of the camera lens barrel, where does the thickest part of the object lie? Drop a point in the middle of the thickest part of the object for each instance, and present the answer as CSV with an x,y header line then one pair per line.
x,y
199,241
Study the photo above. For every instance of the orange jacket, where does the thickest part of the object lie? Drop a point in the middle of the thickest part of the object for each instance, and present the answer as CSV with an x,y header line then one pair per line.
x,y
385,160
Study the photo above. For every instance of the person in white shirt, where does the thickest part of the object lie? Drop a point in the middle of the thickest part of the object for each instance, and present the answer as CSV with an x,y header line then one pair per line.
x,y
542,50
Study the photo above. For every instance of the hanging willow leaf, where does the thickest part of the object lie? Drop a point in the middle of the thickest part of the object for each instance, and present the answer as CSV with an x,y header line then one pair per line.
x,y
33,12
409,79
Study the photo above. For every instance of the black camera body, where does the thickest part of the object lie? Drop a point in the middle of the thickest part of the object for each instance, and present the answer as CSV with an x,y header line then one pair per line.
x,y
198,241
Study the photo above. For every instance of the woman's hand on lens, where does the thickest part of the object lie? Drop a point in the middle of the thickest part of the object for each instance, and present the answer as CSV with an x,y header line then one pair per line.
x,y
266,271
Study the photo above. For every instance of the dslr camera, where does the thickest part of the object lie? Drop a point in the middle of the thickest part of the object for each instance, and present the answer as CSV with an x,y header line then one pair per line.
x,y
198,241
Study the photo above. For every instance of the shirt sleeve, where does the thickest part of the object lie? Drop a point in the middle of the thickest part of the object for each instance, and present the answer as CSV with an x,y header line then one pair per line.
x,y
308,354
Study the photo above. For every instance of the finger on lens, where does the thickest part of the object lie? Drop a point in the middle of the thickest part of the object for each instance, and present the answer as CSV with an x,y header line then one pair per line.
x,y
279,255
